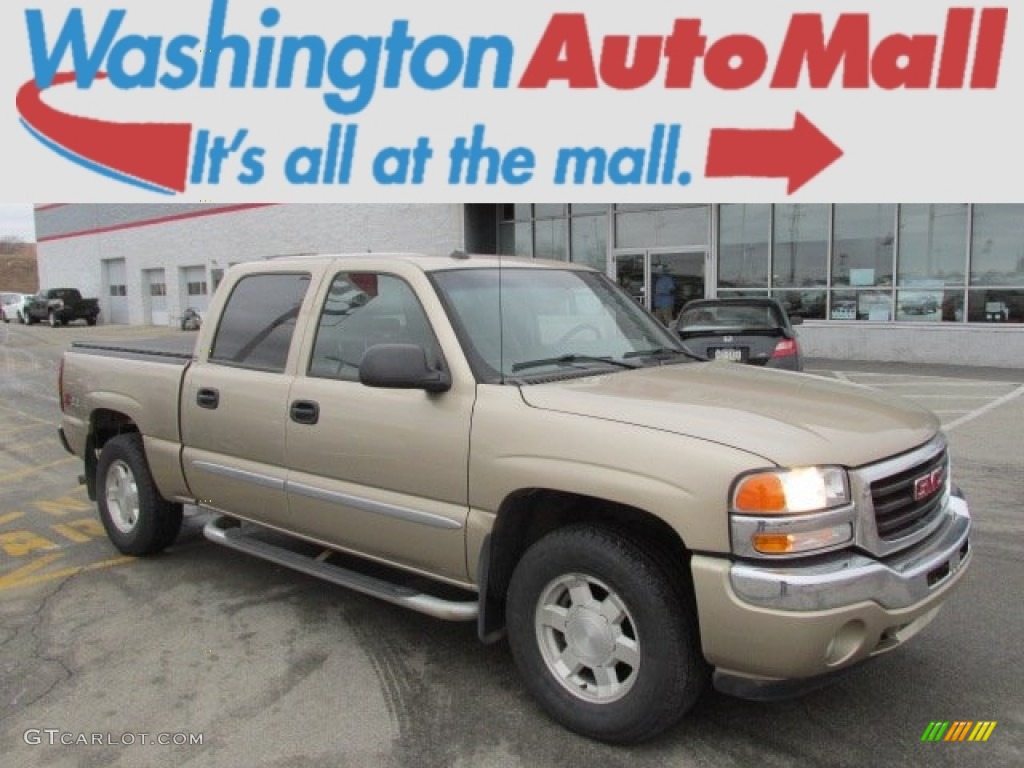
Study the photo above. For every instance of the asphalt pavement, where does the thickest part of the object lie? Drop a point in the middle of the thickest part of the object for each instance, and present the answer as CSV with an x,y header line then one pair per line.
x,y
236,662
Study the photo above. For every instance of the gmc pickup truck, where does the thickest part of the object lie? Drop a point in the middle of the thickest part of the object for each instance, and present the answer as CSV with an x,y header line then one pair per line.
x,y
60,306
519,444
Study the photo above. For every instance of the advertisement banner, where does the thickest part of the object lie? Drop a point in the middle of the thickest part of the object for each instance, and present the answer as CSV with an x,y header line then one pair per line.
x,y
399,101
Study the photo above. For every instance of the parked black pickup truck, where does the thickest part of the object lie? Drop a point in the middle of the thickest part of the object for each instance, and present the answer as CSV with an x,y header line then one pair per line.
x,y
60,306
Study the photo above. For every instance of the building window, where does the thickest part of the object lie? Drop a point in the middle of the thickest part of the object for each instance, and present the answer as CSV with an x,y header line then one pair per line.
x,y
197,288
744,237
864,243
551,239
995,305
808,304
118,290
997,253
931,263
561,232
800,256
157,289
590,239
660,228
997,265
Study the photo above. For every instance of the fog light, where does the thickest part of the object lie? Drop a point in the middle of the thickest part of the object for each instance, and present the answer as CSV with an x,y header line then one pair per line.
x,y
792,543
846,642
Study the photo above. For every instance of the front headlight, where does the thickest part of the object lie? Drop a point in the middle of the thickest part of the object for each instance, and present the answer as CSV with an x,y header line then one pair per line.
x,y
791,491
792,512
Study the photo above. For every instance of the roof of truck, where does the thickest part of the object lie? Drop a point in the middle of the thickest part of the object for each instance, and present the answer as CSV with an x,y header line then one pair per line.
x,y
427,262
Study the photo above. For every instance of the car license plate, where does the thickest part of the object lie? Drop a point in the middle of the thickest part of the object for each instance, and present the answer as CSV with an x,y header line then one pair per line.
x,y
730,354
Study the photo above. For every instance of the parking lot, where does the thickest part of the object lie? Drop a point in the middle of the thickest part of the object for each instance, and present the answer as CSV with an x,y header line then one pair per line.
x,y
241,663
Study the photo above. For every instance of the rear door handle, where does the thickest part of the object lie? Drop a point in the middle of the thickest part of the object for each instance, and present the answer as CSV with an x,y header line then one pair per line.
x,y
305,412
208,398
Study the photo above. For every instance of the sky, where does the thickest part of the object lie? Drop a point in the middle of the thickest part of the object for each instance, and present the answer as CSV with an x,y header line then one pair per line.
x,y
16,220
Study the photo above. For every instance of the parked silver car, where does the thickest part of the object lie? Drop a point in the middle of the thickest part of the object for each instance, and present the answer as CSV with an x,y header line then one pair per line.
x,y
12,306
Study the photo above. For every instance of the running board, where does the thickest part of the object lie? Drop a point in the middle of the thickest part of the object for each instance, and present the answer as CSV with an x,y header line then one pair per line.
x,y
227,532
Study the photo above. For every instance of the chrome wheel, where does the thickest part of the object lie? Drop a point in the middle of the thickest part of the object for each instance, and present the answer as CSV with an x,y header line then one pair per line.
x,y
587,638
122,497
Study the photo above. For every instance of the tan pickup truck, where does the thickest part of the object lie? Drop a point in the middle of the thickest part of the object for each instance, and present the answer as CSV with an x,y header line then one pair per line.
x,y
518,443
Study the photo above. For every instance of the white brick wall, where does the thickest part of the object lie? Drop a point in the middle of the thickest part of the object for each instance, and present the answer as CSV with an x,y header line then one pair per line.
x,y
940,343
216,241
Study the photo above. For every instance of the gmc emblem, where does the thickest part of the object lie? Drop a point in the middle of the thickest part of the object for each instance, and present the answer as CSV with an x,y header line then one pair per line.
x,y
929,484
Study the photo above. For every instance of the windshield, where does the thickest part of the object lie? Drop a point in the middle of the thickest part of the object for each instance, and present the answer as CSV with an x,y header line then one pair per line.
x,y
544,320
714,316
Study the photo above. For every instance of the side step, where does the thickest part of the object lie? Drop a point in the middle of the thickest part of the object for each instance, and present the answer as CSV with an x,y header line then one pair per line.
x,y
225,531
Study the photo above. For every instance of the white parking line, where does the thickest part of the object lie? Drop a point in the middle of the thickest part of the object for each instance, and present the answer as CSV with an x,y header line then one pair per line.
x,y
947,397
986,408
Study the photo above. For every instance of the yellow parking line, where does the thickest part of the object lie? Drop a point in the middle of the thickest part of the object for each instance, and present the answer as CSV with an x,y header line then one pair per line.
x,y
33,470
51,441
7,582
10,518
15,577
24,415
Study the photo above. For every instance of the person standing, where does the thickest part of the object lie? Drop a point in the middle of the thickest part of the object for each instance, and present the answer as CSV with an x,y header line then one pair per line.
x,y
664,295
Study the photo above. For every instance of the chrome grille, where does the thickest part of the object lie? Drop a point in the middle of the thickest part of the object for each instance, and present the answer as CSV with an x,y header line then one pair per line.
x,y
897,512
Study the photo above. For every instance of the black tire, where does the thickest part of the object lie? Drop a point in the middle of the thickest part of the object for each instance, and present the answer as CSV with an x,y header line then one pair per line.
x,y
29,320
90,321
660,625
153,522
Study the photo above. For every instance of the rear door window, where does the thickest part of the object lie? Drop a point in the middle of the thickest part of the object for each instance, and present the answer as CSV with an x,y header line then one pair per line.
x,y
258,321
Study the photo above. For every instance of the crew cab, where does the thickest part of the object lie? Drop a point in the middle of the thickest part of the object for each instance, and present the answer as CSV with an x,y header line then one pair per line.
x,y
60,306
519,444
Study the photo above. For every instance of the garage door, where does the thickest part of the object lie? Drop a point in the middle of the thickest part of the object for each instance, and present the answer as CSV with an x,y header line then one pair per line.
x,y
195,289
116,310
154,285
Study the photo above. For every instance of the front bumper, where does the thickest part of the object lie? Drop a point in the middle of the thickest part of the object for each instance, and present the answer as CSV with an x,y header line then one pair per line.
x,y
764,626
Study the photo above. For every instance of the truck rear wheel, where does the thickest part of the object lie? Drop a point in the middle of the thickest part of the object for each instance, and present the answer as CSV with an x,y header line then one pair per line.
x,y
605,638
137,519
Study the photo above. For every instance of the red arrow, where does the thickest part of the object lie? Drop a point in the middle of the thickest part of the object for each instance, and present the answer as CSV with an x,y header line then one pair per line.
x,y
799,153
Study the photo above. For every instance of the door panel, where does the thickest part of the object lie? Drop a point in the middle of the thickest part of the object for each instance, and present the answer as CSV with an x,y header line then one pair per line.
x,y
381,472
235,400
234,454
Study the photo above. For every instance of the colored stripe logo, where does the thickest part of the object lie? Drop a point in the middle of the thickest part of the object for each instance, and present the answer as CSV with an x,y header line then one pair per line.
x,y
959,730
153,156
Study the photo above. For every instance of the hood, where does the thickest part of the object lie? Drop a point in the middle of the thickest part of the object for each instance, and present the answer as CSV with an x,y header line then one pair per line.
x,y
792,419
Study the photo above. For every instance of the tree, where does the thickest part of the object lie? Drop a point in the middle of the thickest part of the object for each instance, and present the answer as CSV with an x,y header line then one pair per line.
x,y
9,244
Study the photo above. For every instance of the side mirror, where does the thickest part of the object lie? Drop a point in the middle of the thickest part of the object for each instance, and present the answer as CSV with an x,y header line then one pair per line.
x,y
401,366
796,320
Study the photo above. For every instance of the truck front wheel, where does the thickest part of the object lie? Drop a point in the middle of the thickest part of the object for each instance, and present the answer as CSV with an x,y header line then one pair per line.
x,y
605,638
137,519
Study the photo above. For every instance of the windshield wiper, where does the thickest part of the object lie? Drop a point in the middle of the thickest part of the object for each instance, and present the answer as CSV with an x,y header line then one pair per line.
x,y
665,351
569,360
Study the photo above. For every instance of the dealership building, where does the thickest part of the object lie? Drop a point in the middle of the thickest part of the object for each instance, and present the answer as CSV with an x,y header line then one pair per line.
x,y
923,283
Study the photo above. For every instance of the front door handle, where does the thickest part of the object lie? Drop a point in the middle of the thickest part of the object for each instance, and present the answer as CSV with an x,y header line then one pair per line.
x,y
305,412
208,398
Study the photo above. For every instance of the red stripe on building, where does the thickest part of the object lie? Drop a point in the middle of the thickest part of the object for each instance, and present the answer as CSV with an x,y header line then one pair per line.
x,y
49,206
158,220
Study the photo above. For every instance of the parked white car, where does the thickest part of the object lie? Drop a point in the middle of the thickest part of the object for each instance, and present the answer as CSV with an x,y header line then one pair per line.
x,y
12,306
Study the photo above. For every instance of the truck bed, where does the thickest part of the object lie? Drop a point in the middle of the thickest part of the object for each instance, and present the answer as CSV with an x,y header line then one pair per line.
x,y
173,350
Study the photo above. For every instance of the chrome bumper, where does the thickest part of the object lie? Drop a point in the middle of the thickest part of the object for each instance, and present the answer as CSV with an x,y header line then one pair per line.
x,y
835,581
